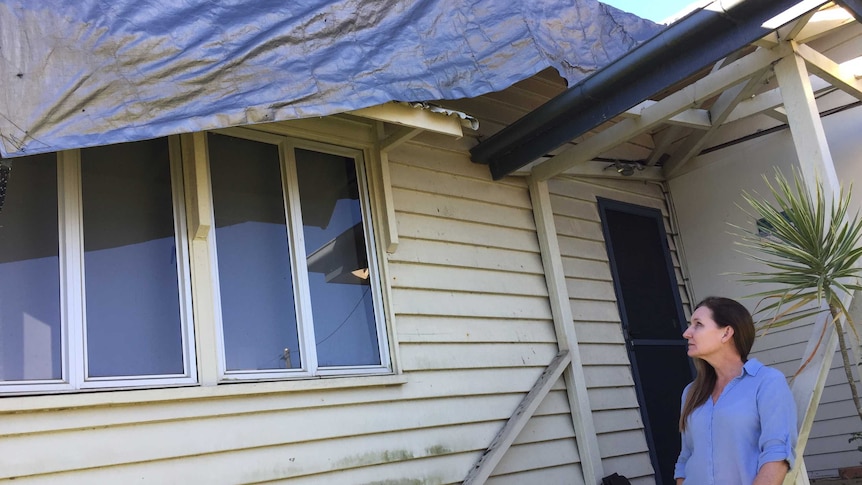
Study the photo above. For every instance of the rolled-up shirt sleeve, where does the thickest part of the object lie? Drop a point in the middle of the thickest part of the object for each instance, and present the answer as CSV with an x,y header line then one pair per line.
x,y
777,412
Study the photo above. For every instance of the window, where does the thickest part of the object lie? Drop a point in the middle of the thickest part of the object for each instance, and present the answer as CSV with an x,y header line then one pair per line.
x,y
298,287
30,323
93,272
95,277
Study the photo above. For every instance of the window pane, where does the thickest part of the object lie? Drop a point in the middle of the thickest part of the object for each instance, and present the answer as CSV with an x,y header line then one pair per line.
x,y
344,324
256,286
133,320
30,335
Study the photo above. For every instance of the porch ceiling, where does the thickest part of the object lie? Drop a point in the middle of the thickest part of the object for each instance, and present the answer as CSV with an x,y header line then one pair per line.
x,y
716,106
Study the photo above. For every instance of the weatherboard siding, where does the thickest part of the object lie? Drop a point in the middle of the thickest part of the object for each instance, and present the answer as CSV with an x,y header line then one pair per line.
x,y
473,296
474,325
607,368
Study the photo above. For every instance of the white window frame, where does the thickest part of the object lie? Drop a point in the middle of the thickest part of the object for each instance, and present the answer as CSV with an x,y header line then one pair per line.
x,y
72,298
286,146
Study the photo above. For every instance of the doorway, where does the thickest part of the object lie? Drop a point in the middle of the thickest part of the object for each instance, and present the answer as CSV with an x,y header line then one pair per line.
x,y
652,322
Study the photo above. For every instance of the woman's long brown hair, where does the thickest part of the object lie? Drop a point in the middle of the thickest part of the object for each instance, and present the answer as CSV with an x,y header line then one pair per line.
x,y
725,312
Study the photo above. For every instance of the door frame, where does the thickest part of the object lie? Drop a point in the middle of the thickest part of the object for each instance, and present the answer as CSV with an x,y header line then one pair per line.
x,y
605,204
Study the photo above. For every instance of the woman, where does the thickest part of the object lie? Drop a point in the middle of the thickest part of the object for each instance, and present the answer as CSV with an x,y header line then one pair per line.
x,y
738,419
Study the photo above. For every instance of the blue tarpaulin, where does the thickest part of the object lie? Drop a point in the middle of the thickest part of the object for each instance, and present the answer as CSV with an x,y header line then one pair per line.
x,y
94,72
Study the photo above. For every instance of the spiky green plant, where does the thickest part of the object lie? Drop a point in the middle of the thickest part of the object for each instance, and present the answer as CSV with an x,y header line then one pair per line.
x,y
812,258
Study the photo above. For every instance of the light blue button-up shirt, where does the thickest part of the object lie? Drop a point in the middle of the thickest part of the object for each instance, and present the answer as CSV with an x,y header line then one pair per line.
x,y
753,422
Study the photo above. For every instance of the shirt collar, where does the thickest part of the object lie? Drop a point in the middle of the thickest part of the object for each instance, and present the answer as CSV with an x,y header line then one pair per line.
x,y
752,367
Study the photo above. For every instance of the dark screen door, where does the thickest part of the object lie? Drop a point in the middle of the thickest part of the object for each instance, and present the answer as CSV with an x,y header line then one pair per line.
x,y
653,322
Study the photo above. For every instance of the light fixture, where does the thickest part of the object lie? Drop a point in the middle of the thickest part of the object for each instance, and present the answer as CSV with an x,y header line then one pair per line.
x,y
625,168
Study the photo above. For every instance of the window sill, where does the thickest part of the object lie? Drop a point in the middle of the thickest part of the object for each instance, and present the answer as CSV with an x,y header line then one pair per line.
x,y
15,404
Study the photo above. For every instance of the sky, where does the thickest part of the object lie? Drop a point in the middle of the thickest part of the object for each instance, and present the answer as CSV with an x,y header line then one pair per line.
x,y
655,10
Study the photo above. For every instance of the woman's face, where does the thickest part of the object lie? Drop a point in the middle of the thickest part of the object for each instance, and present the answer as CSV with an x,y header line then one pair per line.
x,y
704,336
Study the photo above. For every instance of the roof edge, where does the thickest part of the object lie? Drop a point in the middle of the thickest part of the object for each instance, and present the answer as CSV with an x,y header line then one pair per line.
x,y
695,41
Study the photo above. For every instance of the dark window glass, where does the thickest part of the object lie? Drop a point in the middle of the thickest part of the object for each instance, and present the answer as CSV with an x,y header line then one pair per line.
x,y
343,309
256,285
30,329
133,321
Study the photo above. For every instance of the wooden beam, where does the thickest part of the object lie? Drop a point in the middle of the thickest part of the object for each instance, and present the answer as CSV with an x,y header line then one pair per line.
x,y
567,340
778,114
821,23
831,71
769,100
768,41
807,389
662,142
501,443
853,7
802,478
404,115
815,163
635,110
402,134
809,137
853,338
381,184
198,196
665,109
792,30
719,112
792,13
676,132
691,118
193,147
409,122
824,21
732,57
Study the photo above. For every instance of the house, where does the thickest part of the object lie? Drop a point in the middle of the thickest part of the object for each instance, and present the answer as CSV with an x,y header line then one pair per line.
x,y
726,114
349,299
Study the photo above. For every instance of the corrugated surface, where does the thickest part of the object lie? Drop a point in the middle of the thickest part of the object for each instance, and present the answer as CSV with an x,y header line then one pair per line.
x,y
92,72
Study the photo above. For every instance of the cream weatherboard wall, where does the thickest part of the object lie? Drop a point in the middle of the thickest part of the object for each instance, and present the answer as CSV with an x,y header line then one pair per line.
x,y
470,332
470,294
591,294
610,385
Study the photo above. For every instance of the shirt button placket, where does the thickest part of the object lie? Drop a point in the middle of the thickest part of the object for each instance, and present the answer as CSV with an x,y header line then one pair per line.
x,y
711,465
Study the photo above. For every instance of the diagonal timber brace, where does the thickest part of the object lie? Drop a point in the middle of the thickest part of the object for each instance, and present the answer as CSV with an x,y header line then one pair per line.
x,y
501,443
